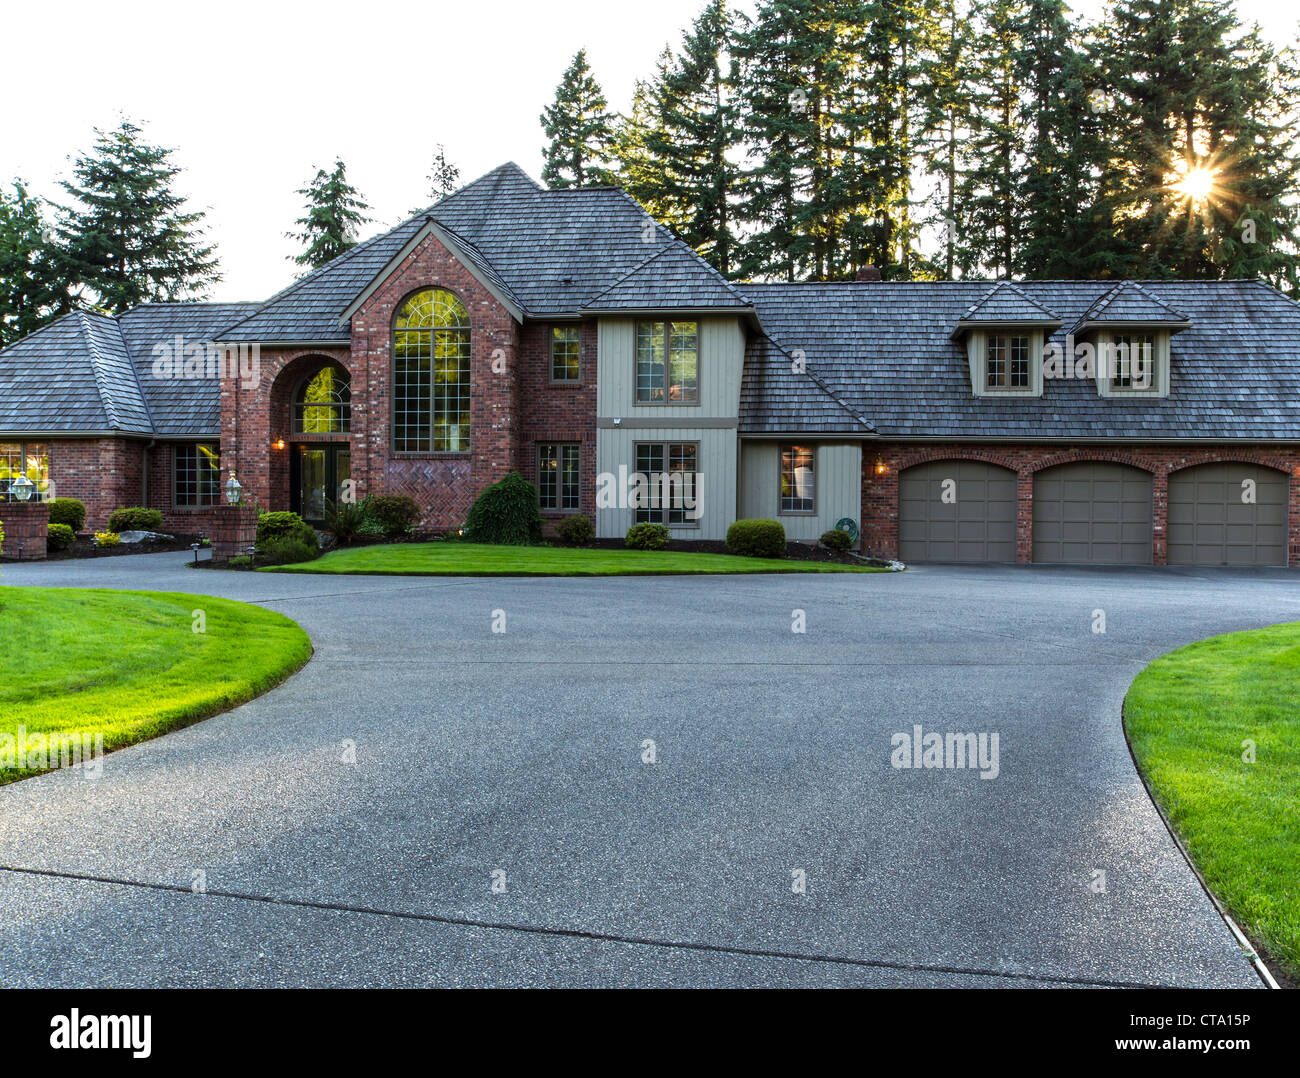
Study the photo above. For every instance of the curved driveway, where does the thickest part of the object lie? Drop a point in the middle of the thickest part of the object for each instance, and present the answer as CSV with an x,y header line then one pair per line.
x,y
481,753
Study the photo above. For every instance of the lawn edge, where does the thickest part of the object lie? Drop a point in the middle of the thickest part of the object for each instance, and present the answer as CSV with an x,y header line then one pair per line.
x,y
1263,956
181,722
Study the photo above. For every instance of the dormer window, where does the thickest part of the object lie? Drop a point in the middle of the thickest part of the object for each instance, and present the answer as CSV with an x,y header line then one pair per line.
x,y
1006,361
1131,361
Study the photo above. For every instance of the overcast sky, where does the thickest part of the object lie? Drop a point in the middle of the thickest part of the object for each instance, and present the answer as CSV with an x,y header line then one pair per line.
x,y
255,95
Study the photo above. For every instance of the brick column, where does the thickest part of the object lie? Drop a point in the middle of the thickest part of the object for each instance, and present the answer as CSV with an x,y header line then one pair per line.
x,y
26,524
232,529
1160,515
1024,516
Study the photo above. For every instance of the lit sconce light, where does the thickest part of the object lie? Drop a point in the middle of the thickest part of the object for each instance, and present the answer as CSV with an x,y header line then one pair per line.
x,y
880,466
278,444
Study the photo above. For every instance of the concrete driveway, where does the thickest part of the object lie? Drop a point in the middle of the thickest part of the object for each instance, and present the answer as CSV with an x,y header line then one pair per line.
x,y
518,757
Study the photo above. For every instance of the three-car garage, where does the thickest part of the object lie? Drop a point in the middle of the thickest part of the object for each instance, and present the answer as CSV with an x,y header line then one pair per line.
x,y
1094,513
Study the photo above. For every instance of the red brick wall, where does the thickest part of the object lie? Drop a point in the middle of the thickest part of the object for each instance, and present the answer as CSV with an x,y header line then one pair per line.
x,y
880,492
558,412
105,474
25,525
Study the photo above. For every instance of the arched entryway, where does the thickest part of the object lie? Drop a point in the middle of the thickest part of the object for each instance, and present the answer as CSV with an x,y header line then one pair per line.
x,y
320,450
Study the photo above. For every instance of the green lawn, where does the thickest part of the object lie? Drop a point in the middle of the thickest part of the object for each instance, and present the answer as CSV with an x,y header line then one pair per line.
x,y
475,559
129,665
1187,715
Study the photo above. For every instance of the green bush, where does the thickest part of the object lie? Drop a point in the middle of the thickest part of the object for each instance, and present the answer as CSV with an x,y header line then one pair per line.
x,y
59,537
836,540
576,530
289,549
757,538
68,511
240,561
135,519
271,526
647,537
506,513
344,520
396,514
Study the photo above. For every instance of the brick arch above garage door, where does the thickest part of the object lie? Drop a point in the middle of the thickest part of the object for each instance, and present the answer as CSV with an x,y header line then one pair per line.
x,y
1092,512
1228,513
957,510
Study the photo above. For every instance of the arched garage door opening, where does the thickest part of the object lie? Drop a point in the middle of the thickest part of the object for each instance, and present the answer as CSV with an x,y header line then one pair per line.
x,y
957,511
1228,514
1092,512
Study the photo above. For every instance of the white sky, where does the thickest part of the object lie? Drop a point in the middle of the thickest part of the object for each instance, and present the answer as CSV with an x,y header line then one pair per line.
x,y
255,96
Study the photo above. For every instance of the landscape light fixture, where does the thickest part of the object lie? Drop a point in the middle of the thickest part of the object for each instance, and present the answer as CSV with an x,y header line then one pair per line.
x,y
233,489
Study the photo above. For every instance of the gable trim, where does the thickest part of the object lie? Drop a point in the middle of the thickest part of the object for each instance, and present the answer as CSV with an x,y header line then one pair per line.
x,y
455,249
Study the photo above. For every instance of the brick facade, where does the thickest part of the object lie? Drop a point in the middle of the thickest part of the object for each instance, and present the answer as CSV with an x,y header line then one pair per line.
x,y
880,491
25,527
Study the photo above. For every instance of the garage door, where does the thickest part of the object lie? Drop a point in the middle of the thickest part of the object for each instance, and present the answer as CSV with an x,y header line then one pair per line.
x,y
1092,512
957,510
1214,521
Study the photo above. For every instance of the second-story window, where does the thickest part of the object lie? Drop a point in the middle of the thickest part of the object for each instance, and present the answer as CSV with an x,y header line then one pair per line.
x,y
1006,362
1132,362
431,382
565,354
667,363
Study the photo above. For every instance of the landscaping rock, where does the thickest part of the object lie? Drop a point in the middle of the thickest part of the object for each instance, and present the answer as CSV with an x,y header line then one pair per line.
x,y
146,537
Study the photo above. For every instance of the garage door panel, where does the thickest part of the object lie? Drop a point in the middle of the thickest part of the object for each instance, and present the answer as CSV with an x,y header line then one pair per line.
x,y
1209,524
980,526
1103,510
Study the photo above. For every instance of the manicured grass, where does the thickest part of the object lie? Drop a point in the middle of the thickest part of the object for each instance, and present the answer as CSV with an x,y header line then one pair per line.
x,y
129,665
475,559
1187,715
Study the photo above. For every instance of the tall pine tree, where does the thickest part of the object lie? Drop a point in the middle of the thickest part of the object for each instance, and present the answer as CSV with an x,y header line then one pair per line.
x,y
580,128
127,238
677,148
444,177
32,288
334,215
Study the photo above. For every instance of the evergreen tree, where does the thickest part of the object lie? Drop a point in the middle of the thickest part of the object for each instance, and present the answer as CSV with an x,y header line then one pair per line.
x,y
1202,143
444,177
580,128
127,239
676,149
32,292
334,215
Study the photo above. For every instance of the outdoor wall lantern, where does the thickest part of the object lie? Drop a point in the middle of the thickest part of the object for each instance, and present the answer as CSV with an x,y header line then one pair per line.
x,y
880,466
21,488
278,444
233,489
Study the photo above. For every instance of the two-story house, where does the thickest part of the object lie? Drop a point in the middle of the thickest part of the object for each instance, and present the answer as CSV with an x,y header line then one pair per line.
x,y
564,335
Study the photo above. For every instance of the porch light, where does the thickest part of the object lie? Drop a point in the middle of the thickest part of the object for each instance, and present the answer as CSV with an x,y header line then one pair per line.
x,y
278,444
880,466
21,488
233,489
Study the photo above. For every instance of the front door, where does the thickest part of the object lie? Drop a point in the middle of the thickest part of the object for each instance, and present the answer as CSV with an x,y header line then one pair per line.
x,y
319,472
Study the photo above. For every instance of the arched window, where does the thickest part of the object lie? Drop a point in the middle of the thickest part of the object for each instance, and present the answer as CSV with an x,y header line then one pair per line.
x,y
323,403
431,374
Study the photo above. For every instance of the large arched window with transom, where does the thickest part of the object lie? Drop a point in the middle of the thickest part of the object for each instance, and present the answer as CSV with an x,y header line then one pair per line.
x,y
323,403
431,374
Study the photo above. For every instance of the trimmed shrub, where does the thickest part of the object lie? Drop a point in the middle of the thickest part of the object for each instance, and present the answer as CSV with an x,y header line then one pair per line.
x,y
836,540
59,537
240,561
107,539
506,513
396,514
68,511
646,537
344,520
757,539
135,519
576,530
289,549
271,526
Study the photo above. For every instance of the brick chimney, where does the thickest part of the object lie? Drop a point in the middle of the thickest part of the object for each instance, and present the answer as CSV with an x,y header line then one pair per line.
x,y
868,273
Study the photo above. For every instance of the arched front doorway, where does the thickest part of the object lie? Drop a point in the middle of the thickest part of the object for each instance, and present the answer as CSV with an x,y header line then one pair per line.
x,y
320,462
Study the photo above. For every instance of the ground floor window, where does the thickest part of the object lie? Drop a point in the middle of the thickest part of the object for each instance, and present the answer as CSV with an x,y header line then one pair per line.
x,y
558,484
798,478
23,458
197,474
671,476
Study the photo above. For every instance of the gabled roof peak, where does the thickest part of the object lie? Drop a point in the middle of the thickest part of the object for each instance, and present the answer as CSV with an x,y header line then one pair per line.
x,y
1128,303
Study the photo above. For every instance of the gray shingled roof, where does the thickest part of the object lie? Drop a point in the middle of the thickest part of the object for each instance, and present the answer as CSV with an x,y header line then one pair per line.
x,y
883,351
553,252
1006,304
1129,303
671,277
89,372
